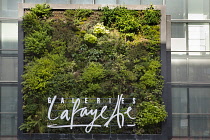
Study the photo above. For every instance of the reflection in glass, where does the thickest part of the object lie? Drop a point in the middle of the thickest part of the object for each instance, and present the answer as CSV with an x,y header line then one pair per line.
x,y
8,69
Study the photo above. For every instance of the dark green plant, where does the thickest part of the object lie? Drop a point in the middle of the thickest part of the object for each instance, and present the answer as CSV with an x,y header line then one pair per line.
x,y
83,13
35,18
37,44
151,16
93,72
124,20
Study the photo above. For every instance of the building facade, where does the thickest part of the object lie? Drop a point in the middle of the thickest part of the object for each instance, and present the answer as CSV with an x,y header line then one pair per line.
x,y
190,67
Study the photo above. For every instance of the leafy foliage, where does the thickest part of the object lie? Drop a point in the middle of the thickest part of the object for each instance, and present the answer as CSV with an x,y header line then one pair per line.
x,y
37,44
42,10
100,29
149,113
151,17
123,19
90,38
88,53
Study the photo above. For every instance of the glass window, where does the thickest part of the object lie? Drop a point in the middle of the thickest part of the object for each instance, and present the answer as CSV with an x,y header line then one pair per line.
x,y
179,102
179,125
81,2
9,8
8,98
8,112
198,37
178,37
199,69
176,8
153,2
59,1
105,1
199,100
129,2
191,68
8,124
35,1
199,125
9,34
198,9
179,105
9,68
179,69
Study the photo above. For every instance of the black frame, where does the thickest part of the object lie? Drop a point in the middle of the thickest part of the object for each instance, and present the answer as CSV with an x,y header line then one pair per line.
x,y
166,133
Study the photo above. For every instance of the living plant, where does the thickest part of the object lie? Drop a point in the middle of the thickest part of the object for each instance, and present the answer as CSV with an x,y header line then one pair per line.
x,y
87,53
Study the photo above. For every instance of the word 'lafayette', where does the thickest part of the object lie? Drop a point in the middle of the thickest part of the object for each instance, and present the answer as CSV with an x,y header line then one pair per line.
x,y
95,113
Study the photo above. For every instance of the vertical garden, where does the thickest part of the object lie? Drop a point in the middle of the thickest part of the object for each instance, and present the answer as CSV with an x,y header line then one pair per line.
x,y
83,53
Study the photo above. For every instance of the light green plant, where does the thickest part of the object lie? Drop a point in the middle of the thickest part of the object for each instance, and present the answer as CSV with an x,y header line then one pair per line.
x,y
150,113
100,29
93,72
90,38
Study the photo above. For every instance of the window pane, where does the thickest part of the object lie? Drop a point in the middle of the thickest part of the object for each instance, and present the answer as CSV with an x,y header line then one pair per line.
x,y
179,102
198,37
199,100
8,69
105,1
198,9
59,1
199,68
9,34
8,98
35,1
191,67
153,2
176,8
178,68
8,124
179,125
178,37
199,125
9,8
129,2
8,52
81,2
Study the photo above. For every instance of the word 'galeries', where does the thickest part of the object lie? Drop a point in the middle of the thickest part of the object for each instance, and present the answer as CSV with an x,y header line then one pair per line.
x,y
96,114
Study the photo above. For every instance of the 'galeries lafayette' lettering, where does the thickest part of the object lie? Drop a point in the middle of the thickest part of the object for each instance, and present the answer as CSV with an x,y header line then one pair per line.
x,y
95,113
